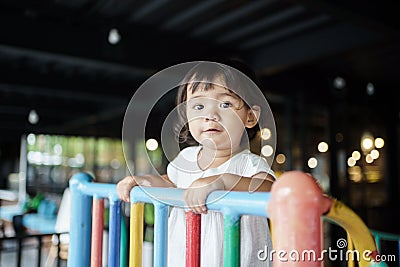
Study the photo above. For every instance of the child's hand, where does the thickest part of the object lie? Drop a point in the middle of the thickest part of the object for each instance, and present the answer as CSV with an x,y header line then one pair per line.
x,y
125,186
196,194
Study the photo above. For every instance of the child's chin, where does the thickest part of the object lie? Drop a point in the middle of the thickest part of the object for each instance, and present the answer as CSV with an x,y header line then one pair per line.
x,y
214,146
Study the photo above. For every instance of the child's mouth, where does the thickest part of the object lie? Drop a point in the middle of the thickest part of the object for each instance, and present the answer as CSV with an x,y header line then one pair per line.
x,y
212,130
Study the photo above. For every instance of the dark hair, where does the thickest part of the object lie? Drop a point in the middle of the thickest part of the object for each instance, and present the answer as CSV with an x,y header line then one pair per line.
x,y
202,76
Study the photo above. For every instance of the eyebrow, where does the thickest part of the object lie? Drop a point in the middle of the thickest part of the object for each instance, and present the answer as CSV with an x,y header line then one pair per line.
x,y
219,95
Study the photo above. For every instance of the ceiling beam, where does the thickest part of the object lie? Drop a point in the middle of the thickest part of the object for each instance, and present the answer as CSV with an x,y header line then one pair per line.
x,y
90,41
380,16
56,93
146,9
310,46
74,62
195,10
284,32
262,23
79,123
229,17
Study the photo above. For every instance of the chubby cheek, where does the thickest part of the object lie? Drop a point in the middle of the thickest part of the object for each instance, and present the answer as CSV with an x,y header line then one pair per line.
x,y
194,130
235,124
235,130
235,135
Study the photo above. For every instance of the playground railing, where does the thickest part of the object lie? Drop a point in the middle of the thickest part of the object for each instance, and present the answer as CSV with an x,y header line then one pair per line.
x,y
389,237
295,206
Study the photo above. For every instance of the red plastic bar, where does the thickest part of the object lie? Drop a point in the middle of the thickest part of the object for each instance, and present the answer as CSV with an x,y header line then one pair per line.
x,y
97,232
193,231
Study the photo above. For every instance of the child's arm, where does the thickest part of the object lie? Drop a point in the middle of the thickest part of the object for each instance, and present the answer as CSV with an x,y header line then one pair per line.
x,y
260,182
195,196
125,186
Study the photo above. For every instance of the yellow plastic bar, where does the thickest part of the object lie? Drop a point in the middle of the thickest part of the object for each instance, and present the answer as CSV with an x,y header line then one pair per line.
x,y
136,235
350,246
355,227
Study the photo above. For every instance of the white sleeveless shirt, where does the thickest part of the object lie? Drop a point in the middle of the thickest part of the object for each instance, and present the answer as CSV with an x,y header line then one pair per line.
x,y
254,230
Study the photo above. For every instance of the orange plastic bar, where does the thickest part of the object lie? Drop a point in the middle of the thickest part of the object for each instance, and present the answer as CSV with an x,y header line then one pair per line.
x,y
136,235
296,207
97,232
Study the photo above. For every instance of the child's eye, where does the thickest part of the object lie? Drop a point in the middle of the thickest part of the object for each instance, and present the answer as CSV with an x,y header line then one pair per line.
x,y
198,107
225,105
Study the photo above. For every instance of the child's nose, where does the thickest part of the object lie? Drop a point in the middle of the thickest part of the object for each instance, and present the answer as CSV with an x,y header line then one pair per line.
x,y
212,115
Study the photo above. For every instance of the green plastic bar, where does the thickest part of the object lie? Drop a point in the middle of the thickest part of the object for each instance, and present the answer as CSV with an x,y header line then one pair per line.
x,y
385,236
378,243
231,240
123,261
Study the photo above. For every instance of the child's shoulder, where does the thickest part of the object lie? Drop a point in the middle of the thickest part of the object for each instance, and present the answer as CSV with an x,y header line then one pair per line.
x,y
190,151
188,154
246,157
186,160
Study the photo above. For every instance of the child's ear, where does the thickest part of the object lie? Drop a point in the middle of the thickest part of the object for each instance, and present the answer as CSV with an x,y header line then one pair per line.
x,y
253,115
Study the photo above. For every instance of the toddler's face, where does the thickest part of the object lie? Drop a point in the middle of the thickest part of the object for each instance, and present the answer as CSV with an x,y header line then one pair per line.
x,y
217,117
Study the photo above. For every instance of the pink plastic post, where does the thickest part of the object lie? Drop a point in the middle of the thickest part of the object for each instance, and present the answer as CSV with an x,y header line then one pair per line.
x,y
296,206
97,232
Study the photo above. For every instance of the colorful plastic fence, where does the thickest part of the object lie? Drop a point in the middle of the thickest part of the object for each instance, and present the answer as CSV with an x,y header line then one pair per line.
x,y
382,236
295,207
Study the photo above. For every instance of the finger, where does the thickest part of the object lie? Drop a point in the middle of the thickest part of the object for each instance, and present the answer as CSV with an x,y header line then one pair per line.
x,y
127,195
194,205
202,207
199,200
124,195
195,201
188,200
193,208
121,190
120,193
198,206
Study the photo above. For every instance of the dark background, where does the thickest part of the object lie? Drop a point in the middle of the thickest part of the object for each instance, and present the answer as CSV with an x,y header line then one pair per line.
x,y
55,58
